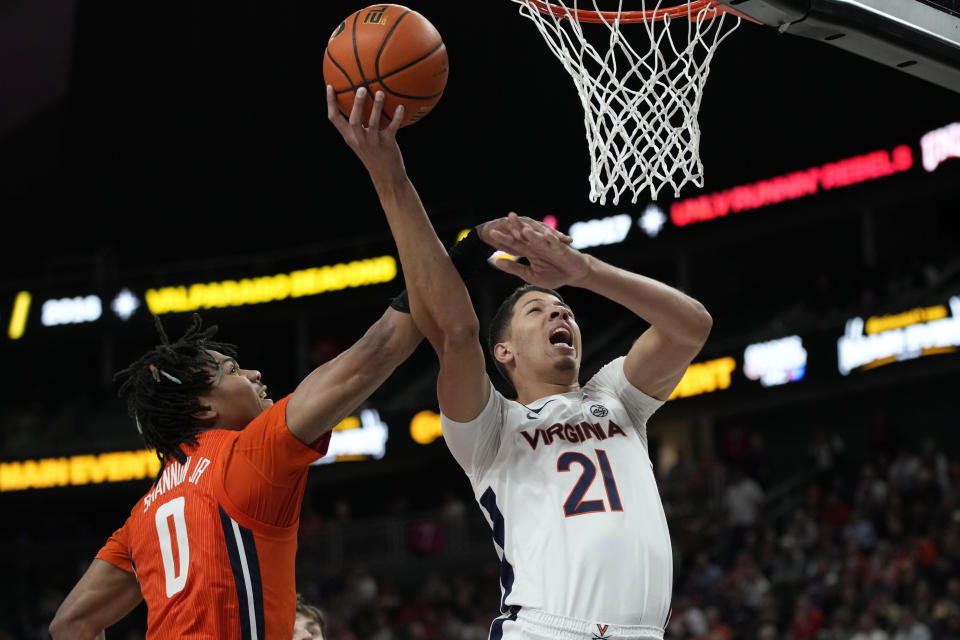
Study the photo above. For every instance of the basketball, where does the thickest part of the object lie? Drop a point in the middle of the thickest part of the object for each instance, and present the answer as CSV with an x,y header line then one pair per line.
x,y
389,48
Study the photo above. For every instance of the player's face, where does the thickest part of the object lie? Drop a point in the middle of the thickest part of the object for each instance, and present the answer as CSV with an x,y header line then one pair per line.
x,y
238,396
544,335
306,629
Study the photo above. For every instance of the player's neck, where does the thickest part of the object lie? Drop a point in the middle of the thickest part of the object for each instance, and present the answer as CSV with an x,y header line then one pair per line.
x,y
529,391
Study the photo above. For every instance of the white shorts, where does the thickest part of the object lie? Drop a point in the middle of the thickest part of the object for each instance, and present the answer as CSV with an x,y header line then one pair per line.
x,y
531,624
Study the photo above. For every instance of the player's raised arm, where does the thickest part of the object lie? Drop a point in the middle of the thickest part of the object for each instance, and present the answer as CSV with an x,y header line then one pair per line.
x,y
336,388
439,300
679,324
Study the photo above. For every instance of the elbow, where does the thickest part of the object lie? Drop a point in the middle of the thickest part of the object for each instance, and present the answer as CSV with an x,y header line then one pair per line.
x,y
463,333
700,324
704,321
58,626
62,627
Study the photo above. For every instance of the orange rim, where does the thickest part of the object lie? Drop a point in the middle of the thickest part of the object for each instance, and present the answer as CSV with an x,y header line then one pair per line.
x,y
687,9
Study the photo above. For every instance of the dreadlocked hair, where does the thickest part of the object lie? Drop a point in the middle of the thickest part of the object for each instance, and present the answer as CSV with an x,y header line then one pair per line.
x,y
162,388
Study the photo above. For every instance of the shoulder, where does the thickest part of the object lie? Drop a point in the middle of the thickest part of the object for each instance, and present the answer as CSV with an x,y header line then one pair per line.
x,y
494,411
609,378
611,381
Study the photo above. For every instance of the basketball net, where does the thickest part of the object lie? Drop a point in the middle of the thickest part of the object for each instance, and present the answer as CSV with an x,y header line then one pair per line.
x,y
640,102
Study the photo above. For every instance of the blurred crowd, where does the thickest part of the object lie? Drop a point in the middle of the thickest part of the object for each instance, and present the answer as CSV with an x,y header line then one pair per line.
x,y
862,545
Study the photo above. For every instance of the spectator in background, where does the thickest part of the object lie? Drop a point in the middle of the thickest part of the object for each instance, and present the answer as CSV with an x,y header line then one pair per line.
x,y
909,628
743,499
309,623
807,619
867,629
934,469
871,493
767,632
825,450
861,530
718,629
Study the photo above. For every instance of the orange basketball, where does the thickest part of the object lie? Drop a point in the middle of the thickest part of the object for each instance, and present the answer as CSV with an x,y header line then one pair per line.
x,y
389,48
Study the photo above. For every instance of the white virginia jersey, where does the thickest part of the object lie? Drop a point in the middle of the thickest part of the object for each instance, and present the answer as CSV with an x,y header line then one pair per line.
x,y
568,489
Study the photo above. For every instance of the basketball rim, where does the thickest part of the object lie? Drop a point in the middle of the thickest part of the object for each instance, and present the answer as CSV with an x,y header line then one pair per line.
x,y
695,10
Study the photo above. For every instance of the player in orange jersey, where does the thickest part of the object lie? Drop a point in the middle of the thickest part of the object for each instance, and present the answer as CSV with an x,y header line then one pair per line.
x,y
211,546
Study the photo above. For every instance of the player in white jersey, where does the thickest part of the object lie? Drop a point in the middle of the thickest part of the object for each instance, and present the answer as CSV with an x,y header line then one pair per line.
x,y
562,473
568,488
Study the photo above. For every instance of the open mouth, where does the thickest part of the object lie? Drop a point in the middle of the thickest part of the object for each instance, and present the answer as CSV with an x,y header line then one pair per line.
x,y
561,337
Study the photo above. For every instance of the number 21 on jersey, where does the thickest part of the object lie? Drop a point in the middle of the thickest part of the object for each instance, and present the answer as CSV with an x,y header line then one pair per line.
x,y
174,572
575,504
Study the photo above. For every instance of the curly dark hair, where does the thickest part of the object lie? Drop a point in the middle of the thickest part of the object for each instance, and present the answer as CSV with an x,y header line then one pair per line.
x,y
162,388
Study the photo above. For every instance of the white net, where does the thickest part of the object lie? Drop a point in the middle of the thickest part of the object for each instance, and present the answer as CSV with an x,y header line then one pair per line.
x,y
640,91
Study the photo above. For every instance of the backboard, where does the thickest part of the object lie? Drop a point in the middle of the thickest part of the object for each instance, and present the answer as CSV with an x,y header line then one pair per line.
x,y
919,37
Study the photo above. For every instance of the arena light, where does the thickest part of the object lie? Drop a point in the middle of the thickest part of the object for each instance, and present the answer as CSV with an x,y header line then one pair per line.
x,y
911,334
705,377
306,282
18,317
125,304
601,231
76,310
116,466
358,438
792,186
652,220
425,427
940,145
775,362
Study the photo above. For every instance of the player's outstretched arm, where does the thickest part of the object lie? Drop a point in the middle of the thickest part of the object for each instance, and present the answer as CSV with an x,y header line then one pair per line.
x,y
679,325
102,597
439,300
336,388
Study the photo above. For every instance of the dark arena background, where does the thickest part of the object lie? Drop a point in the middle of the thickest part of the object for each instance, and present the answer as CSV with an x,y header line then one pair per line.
x,y
809,462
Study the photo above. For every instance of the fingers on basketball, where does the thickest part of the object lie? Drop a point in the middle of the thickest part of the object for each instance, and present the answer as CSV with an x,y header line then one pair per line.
x,y
392,49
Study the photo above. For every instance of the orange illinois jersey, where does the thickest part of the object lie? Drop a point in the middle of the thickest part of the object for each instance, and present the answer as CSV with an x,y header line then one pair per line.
x,y
213,542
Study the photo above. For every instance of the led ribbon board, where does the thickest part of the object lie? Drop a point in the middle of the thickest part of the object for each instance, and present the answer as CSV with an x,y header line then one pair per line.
x,y
305,282
355,438
903,336
940,145
602,231
705,377
775,362
792,186
71,310
358,438
116,466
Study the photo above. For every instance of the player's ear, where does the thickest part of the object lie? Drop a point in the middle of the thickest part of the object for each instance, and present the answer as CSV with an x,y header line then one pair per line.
x,y
207,416
503,353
